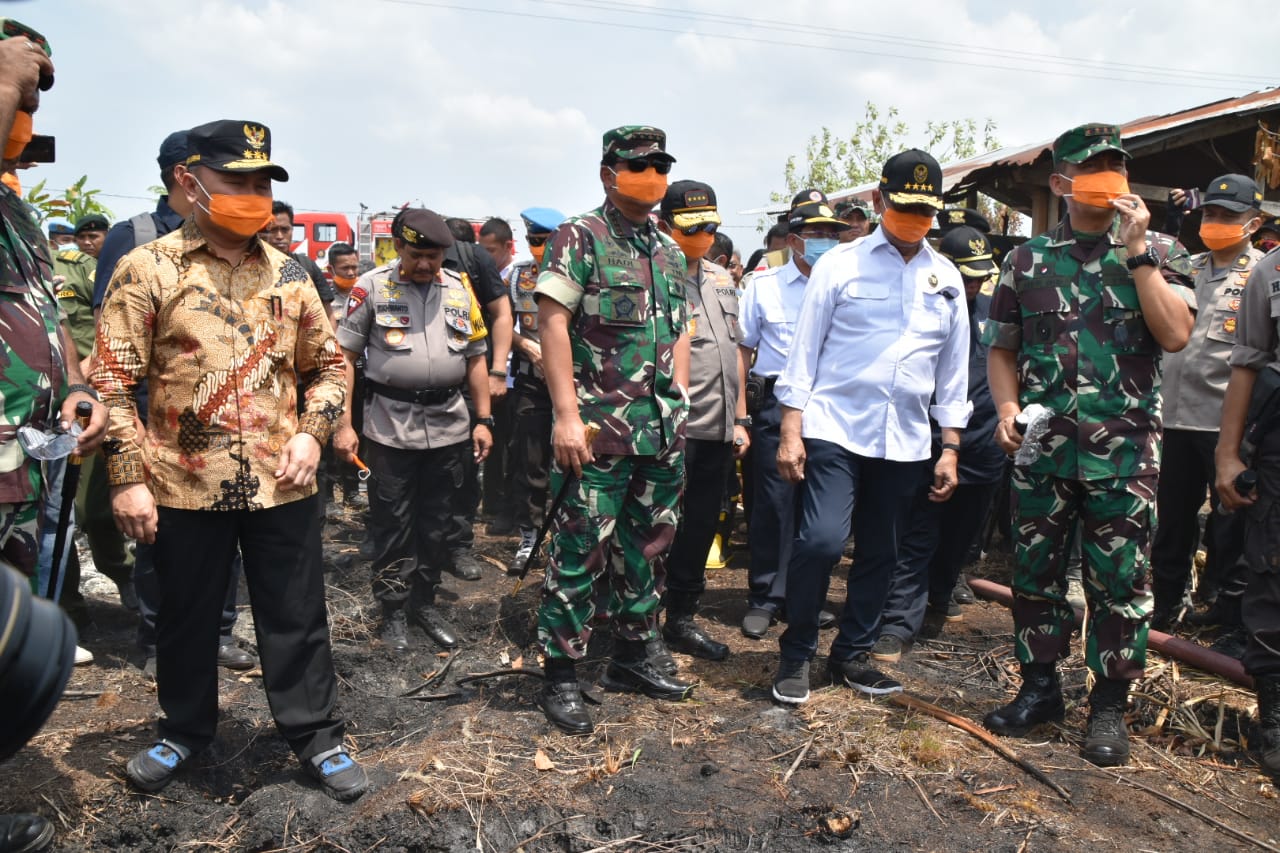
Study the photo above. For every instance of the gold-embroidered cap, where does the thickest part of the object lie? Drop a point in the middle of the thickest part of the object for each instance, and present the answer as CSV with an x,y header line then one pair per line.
x,y
233,146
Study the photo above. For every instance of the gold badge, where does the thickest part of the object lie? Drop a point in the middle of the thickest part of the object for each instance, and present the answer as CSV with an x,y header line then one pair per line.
x,y
395,337
1222,186
527,320
823,210
256,136
528,281
921,173
1233,305
410,236
933,281
1229,325
1242,261
693,327
956,217
976,246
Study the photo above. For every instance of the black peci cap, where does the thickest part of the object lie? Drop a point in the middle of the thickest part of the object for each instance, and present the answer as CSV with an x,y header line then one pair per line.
x,y
233,146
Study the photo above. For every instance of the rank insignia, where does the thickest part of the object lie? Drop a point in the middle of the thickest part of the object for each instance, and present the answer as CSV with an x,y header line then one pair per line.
x,y
1234,305
395,337
1229,325
625,308
1242,261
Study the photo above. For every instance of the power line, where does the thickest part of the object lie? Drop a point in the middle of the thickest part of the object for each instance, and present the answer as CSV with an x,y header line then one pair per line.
x,y
773,42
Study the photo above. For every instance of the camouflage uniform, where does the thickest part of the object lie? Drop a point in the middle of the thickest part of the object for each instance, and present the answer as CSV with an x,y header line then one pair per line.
x,y
625,286
1068,307
33,375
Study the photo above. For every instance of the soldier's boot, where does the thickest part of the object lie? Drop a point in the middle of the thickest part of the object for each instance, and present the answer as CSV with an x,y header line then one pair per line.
x,y
631,671
394,630
684,635
561,699
1224,611
1268,687
657,653
1039,700
1106,741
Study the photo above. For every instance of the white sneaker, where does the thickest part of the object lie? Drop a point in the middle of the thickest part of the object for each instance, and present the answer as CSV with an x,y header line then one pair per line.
x,y
83,656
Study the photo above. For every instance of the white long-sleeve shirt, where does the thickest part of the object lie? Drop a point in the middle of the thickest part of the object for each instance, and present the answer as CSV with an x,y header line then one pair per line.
x,y
767,314
876,338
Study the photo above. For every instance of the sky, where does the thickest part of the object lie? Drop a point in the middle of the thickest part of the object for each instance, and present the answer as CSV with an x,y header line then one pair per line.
x,y
480,108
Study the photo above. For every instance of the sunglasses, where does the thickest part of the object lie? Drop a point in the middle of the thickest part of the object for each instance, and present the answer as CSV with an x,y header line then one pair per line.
x,y
640,164
703,228
538,240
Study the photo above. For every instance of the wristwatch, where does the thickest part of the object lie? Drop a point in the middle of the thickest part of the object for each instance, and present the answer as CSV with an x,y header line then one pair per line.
x,y
1146,259
489,422
498,374
743,422
950,445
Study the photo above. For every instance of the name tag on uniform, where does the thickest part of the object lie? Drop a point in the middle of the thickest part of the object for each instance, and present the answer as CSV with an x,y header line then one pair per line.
x,y
393,314
457,310
66,293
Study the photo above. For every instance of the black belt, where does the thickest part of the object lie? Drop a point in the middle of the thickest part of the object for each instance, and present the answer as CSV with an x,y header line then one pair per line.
x,y
523,367
423,396
769,382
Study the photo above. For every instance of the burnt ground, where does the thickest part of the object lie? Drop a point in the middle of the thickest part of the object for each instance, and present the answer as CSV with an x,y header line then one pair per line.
x,y
479,768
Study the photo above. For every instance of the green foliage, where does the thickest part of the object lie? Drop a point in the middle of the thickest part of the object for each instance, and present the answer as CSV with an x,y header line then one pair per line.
x,y
74,203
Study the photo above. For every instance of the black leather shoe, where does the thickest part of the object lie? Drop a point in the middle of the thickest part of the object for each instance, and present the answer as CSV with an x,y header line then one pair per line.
x,y
394,631
435,625
656,653
1224,611
962,594
465,566
20,833
563,705
1106,741
684,635
233,657
757,621
1039,700
642,677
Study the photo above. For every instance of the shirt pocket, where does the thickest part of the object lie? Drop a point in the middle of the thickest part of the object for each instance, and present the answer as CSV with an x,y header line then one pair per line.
x,y
931,316
1226,310
391,329
1044,318
1125,331
729,307
624,305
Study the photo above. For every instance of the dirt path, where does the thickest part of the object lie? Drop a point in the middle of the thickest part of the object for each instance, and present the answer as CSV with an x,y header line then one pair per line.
x,y
729,771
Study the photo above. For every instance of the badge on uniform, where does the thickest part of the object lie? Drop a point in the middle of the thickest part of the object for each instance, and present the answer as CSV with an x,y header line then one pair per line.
x,y
693,326
390,291
395,337
1234,305
528,321
68,293
528,280
1229,325
624,308
356,298
457,310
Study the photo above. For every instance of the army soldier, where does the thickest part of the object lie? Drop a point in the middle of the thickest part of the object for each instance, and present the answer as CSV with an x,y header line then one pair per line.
x,y
1194,383
419,329
718,429
90,233
856,215
611,318
1078,322
531,401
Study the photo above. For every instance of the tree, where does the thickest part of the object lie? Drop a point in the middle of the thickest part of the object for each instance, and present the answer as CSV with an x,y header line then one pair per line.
x,y
74,203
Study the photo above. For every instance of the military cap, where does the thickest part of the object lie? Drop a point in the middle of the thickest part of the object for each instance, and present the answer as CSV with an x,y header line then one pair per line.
x,y
689,203
970,250
422,229
92,222
635,140
1237,193
541,220
173,150
852,205
810,207
1088,140
233,146
912,177
956,216
1271,223
58,226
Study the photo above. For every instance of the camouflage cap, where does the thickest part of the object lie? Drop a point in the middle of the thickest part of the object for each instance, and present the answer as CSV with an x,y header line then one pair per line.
x,y
1088,140
689,203
635,140
849,206
1237,193
970,250
233,146
422,229
810,207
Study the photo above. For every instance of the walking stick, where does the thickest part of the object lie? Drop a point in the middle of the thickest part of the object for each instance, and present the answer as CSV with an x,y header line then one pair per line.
x,y
563,492
70,480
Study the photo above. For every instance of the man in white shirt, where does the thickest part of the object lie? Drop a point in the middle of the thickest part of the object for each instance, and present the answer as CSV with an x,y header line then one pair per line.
x,y
882,329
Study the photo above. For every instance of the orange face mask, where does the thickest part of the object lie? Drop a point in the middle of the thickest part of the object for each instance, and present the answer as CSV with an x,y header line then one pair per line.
x,y
19,135
344,283
10,180
538,252
1098,189
647,187
695,247
907,227
1221,235
242,215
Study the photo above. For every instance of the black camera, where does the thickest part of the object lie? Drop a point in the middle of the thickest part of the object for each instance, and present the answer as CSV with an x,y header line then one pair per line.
x,y
37,653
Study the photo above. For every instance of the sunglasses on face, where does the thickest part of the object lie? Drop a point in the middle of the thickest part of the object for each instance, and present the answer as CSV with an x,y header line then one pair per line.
x,y
537,240
639,164
702,228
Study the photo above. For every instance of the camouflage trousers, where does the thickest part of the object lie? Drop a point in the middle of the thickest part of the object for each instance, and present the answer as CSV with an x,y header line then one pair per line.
x,y
20,537
633,502
1116,519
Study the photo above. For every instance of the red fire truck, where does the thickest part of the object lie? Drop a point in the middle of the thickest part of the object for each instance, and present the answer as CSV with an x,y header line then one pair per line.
x,y
314,232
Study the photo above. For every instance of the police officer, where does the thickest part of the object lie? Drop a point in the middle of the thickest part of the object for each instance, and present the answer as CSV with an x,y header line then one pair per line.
x,y
718,430
611,318
1268,236
61,236
1195,380
1078,322
531,401
419,328
769,311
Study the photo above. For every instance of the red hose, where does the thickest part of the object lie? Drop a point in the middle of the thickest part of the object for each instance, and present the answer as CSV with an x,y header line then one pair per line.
x,y
1175,647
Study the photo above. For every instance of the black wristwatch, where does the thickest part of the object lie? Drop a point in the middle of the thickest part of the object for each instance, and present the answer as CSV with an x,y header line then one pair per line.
x,y
485,422
1146,259
950,445
743,422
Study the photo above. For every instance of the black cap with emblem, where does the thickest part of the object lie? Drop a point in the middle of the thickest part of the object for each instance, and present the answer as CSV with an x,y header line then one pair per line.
x,y
970,250
954,217
810,207
689,203
1236,193
912,177
233,146
422,229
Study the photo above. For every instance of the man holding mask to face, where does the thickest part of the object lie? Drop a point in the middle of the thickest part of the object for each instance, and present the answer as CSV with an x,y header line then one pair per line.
x,y
1078,322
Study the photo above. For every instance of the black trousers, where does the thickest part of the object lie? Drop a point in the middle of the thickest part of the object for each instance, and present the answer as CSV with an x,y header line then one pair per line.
x,y
459,534
705,481
409,514
1186,470
530,451
773,513
193,554
497,466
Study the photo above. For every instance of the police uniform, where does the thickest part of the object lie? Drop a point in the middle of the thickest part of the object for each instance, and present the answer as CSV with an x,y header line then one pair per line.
x,y
418,340
1193,387
530,455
